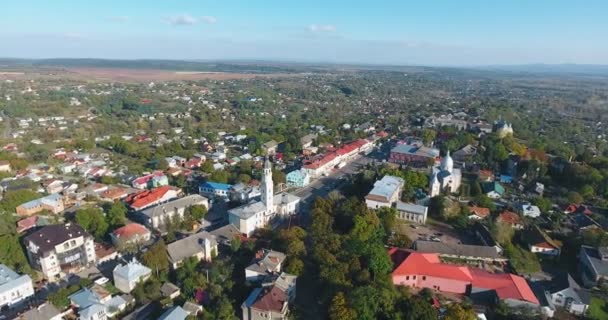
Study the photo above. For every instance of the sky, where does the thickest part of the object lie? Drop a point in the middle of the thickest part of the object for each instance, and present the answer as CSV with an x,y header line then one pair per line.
x,y
399,32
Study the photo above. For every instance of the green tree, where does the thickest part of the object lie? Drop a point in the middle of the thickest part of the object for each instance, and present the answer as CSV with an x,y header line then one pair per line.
x,y
13,199
235,243
456,311
197,211
156,257
339,308
117,214
92,220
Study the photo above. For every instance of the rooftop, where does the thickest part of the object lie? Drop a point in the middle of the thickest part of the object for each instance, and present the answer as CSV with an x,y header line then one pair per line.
x,y
172,205
248,210
420,151
385,188
465,250
130,230
132,270
50,236
189,246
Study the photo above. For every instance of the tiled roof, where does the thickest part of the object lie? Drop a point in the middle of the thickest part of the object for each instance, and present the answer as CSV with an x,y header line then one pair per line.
x,y
509,217
50,236
507,286
146,198
130,230
272,299
479,211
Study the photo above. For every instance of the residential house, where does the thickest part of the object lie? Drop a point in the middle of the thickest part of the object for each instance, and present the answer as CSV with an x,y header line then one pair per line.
x,y
215,189
201,245
567,294
127,276
59,250
97,303
45,311
157,216
270,147
478,213
297,178
244,193
539,242
169,290
510,218
583,222
132,233
425,270
271,301
146,199
385,192
493,190
5,166
14,288
52,203
114,194
528,210
192,308
593,265
152,180
465,154
266,262
224,235
307,140
174,313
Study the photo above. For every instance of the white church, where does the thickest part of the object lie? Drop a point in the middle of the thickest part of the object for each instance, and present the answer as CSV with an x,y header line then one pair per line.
x,y
258,214
445,178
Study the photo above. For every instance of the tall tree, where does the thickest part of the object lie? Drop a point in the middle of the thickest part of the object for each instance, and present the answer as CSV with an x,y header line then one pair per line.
x,y
156,257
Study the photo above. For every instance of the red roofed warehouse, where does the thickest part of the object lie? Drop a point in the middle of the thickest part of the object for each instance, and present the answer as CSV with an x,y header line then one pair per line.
x,y
425,270
153,197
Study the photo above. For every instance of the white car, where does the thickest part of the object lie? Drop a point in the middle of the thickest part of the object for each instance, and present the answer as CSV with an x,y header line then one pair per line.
x,y
101,281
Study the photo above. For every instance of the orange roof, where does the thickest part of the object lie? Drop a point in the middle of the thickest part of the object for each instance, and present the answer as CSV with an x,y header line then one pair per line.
x,y
479,211
114,193
146,198
506,285
509,217
130,230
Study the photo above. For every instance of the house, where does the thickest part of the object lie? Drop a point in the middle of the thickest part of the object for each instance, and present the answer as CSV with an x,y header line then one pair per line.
x,y
460,251
593,265
28,223
385,192
52,203
575,209
271,301
90,304
465,154
14,288
425,270
157,216
224,235
59,250
539,242
243,193
215,189
510,218
493,190
258,214
169,290
127,276
152,180
132,233
566,293
192,308
266,262
104,253
415,154
149,198
412,212
583,222
270,147
307,140
45,311
297,178
174,313
201,245
478,213
5,166
113,194
528,210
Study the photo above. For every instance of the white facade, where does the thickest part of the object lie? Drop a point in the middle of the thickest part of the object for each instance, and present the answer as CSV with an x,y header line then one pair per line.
x,y
385,192
258,214
14,288
127,276
445,177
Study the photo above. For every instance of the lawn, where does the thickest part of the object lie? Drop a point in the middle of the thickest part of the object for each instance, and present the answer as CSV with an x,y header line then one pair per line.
x,y
598,309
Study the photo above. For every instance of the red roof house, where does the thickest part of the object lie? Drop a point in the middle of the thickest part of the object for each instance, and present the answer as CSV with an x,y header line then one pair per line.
x,y
152,197
132,232
425,270
478,212
511,218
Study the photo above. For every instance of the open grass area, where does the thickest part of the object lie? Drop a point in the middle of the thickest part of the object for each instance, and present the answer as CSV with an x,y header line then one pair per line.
x,y
598,309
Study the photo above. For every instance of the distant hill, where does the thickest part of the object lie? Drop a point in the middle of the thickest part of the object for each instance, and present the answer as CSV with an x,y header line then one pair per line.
x,y
554,69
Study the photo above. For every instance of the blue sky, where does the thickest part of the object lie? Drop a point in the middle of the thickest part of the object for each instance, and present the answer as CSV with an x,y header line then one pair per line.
x,y
429,32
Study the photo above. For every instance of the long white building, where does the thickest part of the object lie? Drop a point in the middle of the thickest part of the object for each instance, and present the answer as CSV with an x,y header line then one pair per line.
x,y
14,288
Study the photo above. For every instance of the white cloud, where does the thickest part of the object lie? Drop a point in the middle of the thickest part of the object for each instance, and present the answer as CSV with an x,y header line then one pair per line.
x,y
188,20
209,19
119,18
321,28
180,20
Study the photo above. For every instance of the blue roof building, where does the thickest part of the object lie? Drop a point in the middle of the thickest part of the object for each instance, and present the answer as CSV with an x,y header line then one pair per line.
x,y
14,287
214,189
